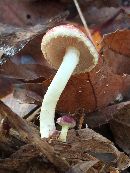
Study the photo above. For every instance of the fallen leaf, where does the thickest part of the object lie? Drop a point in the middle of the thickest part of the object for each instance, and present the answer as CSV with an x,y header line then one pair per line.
x,y
87,91
84,167
26,72
86,146
118,41
29,13
21,109
68,103
13,39
82,147
116,51
29,92
5,86
100,15
108,19
120,127
104,115
107,86
30,134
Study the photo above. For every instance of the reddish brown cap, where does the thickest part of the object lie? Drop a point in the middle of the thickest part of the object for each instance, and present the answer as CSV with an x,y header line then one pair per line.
x,y
57,40
66,121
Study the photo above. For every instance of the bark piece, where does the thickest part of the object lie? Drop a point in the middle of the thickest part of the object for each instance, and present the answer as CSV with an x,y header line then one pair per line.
x,y
28,133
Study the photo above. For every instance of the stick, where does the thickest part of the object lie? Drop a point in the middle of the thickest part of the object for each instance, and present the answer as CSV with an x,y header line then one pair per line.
x,y
29,134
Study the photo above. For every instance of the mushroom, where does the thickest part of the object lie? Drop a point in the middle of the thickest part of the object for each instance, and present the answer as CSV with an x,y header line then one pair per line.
x,y
66,122
69,50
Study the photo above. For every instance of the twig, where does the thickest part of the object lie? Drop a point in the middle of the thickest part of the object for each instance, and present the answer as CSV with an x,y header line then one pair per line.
x,y
33,115
83,20
29,134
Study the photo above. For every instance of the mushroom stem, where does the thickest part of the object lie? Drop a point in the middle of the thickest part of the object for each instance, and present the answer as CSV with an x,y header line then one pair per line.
x,y
63,133
69,63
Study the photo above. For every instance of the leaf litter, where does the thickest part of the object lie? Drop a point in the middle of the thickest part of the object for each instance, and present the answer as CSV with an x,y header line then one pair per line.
x,y
101,95
13,39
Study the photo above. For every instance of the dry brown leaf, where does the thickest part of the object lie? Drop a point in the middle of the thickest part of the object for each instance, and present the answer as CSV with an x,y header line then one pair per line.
x,y
118,41
121,23
107,86
68,103
78,94
86,151
30,135
26,72
13,39
29,92
83,147
108,19
89,92
21,109
28,13
98,3
5,86
120,126
116,51
86,146
84,167
104,115
31,53
98,16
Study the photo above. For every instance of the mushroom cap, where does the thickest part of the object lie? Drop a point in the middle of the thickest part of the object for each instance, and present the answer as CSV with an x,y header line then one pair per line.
x,y
57,40
66,121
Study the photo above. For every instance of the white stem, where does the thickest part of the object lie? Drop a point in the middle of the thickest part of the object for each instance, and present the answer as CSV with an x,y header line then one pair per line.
x,y
70,60
63,133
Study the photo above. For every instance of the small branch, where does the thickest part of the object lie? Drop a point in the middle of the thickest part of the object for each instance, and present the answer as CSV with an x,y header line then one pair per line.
x,y
33,115
83,20
29,134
